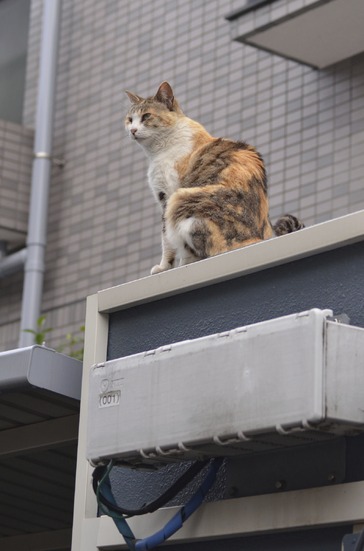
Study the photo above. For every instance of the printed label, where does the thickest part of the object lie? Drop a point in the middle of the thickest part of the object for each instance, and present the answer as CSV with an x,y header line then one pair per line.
x,y
109,399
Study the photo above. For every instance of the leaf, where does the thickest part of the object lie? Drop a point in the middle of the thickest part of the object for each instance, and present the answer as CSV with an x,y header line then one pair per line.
x,y
41,321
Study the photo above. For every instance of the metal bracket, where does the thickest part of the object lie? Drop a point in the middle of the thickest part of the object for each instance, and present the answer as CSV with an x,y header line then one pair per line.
x,y
340,318
316,464
43,155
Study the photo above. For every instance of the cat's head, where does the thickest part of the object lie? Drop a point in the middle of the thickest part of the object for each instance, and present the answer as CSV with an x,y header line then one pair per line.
x,y
151,119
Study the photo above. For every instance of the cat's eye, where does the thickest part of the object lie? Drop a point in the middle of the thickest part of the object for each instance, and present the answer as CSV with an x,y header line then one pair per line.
x,y
129,119
146,116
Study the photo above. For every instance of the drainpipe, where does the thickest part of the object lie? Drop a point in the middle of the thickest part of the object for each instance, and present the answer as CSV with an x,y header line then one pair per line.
x,y
2,249
12,263
38,211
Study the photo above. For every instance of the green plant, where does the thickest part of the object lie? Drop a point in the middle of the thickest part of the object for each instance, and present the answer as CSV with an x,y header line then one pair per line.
x,y
40,332
72,344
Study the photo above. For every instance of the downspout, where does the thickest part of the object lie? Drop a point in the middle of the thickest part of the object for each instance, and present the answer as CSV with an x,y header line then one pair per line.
x,y
40,183
12,263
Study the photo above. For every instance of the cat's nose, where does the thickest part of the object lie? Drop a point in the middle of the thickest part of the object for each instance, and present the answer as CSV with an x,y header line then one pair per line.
x,y
133,131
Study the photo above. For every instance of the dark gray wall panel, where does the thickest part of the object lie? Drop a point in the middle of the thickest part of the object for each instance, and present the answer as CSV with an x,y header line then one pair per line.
x,y
334,279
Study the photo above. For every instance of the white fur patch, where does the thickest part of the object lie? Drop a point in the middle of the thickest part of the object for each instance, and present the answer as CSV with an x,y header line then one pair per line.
x,y
180,234
184,229
164,154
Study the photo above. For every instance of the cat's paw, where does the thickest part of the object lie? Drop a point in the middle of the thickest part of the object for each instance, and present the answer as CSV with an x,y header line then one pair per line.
x,y
158,268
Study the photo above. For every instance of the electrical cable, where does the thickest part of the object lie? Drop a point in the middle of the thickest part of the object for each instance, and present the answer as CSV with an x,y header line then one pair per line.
x,y
169,494
104,494
176,522
119,520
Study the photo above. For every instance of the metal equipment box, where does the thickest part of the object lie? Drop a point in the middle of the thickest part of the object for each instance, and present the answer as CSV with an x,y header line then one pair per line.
x,y
283,382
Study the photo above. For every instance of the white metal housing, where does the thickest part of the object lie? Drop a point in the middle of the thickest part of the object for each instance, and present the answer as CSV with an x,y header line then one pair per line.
x,y
282,382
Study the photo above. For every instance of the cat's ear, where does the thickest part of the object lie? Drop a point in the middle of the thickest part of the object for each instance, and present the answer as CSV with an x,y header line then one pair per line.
x,y
165,95
133,97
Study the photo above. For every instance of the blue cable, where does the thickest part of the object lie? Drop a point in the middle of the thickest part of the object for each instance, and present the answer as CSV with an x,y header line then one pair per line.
x,y
119,520
176,522
172,526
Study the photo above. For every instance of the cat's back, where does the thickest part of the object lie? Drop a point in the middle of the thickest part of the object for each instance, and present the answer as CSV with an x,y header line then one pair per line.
x,y
223,161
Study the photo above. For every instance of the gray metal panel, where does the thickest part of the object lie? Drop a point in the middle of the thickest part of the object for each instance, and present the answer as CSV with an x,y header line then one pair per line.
x,y
41,367
287,469
14,366
37,485
37,491
39,404
332,279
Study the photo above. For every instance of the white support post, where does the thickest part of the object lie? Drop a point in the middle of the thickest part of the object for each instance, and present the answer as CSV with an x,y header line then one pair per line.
x,y
84,538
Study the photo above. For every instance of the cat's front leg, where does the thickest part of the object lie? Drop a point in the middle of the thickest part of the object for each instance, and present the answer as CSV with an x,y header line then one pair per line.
x,y
168,256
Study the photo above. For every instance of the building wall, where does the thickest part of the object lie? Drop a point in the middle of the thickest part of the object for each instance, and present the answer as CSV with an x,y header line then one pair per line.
x,y
16,149
103,224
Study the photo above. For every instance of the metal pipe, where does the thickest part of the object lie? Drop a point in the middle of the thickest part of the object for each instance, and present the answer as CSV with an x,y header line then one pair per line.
x,y
12,263
38,212
3,248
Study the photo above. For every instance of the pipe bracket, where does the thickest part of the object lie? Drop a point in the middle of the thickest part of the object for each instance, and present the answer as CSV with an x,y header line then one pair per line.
x,y
47,156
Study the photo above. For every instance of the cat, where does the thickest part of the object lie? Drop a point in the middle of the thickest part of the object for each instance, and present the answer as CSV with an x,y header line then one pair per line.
x,y
212,191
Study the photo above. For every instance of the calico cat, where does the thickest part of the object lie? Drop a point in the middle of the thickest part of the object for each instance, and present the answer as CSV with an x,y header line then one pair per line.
x,y
212,191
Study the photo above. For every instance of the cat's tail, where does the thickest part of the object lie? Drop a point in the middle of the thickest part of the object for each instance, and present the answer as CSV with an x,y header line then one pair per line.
x,y
287,224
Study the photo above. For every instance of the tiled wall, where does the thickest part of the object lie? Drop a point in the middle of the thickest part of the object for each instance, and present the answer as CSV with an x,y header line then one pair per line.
x,y
16,149
103,224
